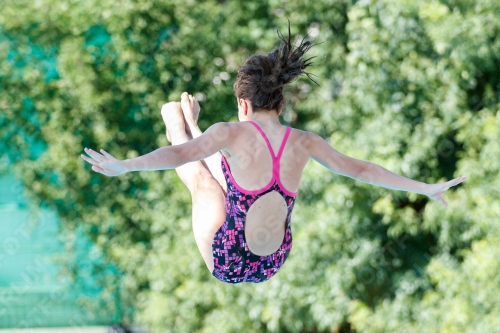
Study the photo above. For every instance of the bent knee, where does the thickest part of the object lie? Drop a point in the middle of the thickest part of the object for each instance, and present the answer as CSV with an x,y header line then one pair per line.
x,y
207,183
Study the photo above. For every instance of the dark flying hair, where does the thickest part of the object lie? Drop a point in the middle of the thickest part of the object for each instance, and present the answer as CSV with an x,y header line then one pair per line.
x,y
261,78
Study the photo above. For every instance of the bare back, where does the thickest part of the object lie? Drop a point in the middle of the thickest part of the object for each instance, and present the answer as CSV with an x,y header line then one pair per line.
x,y
250,161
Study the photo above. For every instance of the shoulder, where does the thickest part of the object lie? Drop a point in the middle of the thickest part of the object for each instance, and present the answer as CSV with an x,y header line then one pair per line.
x,y
308,139
221,130
229,126
232,129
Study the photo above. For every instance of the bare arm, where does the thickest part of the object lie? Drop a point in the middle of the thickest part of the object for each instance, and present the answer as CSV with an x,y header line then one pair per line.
x,y
214,139
363,171
377,175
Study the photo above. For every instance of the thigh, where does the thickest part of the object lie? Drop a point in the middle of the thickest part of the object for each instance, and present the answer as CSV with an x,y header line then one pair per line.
x,y
209,214
216,172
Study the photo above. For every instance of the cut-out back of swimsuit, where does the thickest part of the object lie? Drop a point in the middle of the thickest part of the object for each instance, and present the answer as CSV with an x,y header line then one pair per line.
x,y
233,261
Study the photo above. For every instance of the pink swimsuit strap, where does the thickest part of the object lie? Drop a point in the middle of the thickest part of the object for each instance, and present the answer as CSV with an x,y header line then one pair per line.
x,y
276,158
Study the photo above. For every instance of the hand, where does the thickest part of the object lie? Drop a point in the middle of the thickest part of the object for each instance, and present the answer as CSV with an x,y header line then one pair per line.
x,y
105,164
435,191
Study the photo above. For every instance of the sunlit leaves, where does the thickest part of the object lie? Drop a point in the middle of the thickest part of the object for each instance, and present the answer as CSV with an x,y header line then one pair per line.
x,y
409,85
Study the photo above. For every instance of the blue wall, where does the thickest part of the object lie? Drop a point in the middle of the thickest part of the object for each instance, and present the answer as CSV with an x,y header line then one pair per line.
x,y
32,292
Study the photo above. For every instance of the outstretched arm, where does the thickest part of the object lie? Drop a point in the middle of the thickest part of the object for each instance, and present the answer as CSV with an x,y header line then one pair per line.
x,y
372,173
214,139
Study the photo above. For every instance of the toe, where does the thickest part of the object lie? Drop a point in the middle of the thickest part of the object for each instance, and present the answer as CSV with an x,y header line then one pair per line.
x,y
185,103
185,99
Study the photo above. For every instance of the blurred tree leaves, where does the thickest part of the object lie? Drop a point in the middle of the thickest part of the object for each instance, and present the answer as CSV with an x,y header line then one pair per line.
x,y
410,85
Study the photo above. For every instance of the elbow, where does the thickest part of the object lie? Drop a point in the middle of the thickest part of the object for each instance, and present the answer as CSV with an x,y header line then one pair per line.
x,y
174,157
366,172
181,157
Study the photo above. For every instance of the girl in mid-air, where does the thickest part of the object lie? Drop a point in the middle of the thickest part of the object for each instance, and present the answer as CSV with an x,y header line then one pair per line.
x,y
244,177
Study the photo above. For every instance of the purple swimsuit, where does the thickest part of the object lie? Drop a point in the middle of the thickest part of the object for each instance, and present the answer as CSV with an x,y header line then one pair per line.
x,y
233,261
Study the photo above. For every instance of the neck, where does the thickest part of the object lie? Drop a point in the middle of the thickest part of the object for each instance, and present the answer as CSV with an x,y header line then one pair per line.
x,y
266,116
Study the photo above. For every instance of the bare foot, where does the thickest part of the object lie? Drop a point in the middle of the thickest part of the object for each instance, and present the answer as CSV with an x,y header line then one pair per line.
x,y
191,110
174,121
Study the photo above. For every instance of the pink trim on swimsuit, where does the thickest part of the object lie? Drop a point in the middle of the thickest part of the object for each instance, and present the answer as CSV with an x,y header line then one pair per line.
x,y
276,165
233,260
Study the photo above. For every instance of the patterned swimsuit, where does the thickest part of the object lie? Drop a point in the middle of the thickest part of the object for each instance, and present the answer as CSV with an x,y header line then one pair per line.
x,y
233,261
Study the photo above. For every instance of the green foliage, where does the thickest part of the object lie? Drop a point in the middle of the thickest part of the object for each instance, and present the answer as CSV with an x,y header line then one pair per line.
x,y
412,86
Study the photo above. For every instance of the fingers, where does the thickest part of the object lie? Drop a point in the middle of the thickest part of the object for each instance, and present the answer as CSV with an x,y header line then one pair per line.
x,y
91,161
105,153
97,160
442,201
95,165
95,155
454,182
439,198
446,185
458,180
